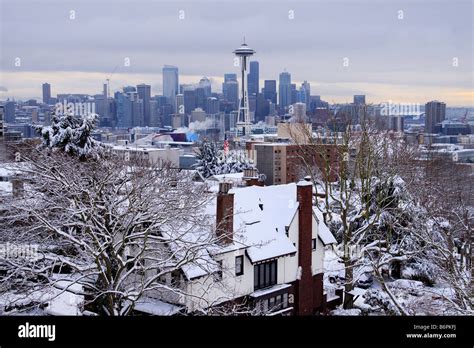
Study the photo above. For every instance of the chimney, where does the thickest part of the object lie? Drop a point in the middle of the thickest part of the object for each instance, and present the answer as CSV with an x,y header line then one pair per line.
x,y
225,214
251,177
304,286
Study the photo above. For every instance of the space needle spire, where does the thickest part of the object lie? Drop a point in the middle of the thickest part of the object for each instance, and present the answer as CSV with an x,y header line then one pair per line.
x,y
243,120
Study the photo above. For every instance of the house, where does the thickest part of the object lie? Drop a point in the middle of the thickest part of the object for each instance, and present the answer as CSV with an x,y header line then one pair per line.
x,y
269,257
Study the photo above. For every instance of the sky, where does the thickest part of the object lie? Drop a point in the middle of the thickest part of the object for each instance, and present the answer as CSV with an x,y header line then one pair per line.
x,y
404,51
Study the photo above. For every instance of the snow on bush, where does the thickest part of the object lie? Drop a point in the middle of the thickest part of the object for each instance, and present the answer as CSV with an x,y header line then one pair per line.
x,y
211,160
71,134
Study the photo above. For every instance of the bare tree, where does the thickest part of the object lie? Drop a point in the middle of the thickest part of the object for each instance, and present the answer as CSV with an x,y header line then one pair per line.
x,y
118,229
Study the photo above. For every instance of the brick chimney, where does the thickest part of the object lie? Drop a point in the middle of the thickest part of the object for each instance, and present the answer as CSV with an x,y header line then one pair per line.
x,y
304,285
225,214
251,177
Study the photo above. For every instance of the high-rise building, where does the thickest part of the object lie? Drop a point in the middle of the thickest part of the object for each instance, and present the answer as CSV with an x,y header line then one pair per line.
x,y
205,84
144,93
9,112
180,103
359,99
305,94
284,90
253,78
123,110
294,93
230,89
435,113
189,97
46,93
154,114
201,98
212,106
170,83
270,91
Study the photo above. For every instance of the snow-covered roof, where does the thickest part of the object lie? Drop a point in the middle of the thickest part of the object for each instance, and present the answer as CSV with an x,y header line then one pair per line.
x,y
323,231
156,307
263,292
260,217
224,177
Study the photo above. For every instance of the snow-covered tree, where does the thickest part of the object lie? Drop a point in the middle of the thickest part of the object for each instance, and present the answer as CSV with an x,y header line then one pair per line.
x,y
212,160
71,134
119,230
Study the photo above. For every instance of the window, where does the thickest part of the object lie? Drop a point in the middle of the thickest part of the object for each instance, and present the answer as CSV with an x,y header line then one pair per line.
x,y
313,243
239,265
265,274
218,273
272,304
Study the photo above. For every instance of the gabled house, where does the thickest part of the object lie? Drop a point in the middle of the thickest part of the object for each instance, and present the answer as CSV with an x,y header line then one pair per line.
x,y
270,256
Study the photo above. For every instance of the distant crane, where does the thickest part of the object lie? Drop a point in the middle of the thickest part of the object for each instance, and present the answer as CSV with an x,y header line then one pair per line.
x,y
108,81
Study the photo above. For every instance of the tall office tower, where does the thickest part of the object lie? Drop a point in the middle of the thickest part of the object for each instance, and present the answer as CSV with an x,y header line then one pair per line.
x,y
154,114
294,93
359,99
230,89
299,112
284,90
263,108
244,52
305,92
144,93
253,78
180,103
124,110
435,112
9,112
170,84
46,93
201,98
212,105
189,97
270,90
205,84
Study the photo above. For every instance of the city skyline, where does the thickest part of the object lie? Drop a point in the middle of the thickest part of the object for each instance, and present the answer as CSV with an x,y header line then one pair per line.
x,y
406,60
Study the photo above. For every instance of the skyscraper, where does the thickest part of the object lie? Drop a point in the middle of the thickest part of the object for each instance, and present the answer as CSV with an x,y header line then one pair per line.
x,y
10,107
253,78
46,92
270,91
230,89
180,103
284,90
305,94
189,98
144,93
435,112
205,84
124,110
170,83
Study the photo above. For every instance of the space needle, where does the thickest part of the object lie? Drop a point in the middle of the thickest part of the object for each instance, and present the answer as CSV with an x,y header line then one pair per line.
x,y
243,119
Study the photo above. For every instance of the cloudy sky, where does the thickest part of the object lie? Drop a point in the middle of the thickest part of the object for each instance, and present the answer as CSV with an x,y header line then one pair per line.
x,y
405,51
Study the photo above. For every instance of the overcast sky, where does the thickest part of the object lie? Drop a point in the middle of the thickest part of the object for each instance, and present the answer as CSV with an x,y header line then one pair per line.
x,y
405,60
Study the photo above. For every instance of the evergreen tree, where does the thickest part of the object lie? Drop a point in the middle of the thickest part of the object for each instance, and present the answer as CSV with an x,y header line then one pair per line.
x,y
71,134
211,160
